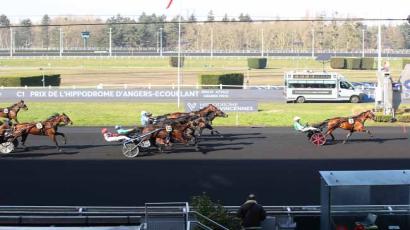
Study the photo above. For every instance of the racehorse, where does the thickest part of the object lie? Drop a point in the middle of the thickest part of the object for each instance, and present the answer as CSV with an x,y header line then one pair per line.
x,y
352,124
12,111
48,128
209,112
177,133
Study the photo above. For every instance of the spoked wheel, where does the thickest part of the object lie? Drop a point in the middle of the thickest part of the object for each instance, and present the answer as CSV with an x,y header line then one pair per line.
x,y
318,139
6,147
130,150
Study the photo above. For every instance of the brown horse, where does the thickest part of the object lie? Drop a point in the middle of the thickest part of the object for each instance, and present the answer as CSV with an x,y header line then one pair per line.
x,y
209,112
48,128
163,138
352,124
204,112
12,111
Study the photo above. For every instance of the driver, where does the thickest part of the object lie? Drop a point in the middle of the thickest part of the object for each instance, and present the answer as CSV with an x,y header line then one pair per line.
x,y
146,118
302,128
120,130
111,137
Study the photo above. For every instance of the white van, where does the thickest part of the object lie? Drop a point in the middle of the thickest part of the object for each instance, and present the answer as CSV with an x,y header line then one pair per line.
x,y
319,86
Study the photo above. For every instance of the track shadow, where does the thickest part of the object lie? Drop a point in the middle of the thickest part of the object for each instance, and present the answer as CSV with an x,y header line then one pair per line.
x,y
232,137
186,149
48,147
23,154
362,140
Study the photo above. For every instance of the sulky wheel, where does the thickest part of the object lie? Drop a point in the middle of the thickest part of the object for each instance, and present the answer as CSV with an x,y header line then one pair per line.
x,y
318,139
6,147
130,150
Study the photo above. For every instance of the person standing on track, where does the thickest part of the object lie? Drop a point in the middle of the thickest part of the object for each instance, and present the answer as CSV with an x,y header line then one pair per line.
x,y
251,213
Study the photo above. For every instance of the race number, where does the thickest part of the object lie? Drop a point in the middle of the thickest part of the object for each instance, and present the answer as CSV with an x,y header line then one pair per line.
x,y
39,126
351,121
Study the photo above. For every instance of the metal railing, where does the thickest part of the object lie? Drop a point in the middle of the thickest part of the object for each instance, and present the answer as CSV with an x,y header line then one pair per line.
x,y
152,86
181,209
313,210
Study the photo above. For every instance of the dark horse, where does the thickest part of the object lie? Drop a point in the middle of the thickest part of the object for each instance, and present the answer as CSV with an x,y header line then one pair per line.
x,y
352,124
209,112
177,132
12,111
48,128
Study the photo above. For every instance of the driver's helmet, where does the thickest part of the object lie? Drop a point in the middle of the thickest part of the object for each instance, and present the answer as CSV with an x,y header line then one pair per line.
x,y
104,130
118,127
296,118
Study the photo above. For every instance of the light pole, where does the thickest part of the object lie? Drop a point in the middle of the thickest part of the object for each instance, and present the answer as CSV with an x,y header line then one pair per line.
x,y
110,42
61,42
362,42
262,44
160,41
212,42
11,42
179,55
313,43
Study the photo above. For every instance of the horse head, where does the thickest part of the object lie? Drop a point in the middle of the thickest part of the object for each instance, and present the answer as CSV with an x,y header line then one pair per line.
x,y
217,111
370,115
22,105
66,119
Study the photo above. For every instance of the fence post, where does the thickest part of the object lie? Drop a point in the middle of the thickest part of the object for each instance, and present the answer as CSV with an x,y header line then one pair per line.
x,y
220,86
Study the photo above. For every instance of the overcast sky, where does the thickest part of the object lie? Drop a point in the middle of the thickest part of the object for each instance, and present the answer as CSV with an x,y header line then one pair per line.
x,y
257,9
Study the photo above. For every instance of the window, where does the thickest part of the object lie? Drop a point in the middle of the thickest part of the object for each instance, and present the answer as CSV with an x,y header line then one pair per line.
x,y
345,85
312,85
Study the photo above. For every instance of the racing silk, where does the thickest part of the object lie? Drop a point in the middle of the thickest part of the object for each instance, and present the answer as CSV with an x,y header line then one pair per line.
x,y
144,120
297,126
124,131
112,137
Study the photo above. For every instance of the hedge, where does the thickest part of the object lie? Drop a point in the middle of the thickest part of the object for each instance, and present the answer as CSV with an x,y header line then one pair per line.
x,y
257,63
338,63
383,118
353,63
405,62
50,80
173,61
404,118
224,79
367,63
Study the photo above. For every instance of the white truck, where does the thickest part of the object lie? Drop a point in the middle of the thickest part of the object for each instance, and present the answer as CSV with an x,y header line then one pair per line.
x,y
302,86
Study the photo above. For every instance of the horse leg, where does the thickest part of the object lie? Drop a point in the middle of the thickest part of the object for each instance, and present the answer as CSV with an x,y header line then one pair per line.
x,y
368,132
330,132
333,137
23,140
53,138
208,126
63,135
347,137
